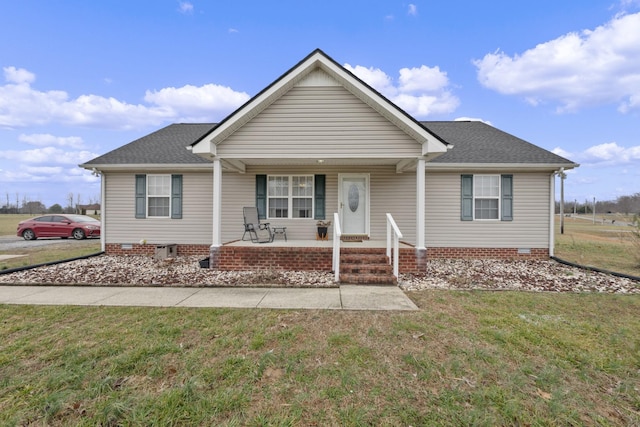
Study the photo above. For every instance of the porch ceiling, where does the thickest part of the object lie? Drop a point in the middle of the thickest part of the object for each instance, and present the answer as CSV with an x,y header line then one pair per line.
x,y
401,164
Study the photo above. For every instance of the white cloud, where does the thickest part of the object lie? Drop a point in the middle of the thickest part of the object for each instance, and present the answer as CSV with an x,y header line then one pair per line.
x,y
606,154
185,7
423,79
18,75
45,139
412,10
23,105
419,91
195,103
577,70
233,31
48,155
43,170
562,153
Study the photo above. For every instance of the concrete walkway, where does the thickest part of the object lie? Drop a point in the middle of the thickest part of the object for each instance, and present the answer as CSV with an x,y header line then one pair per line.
x,y
347,297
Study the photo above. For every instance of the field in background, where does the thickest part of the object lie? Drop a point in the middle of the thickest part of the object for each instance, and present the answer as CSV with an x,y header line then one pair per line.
x,y
605,244
9,223
63,249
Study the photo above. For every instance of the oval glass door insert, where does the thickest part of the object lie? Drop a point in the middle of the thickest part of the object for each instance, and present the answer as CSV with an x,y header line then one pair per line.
x,y
354,197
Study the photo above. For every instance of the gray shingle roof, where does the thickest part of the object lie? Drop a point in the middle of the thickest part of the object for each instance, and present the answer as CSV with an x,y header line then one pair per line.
x,y
164,146
474,142
477,142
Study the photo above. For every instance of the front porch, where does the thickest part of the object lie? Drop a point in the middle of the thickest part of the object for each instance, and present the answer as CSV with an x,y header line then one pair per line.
x,y
305,255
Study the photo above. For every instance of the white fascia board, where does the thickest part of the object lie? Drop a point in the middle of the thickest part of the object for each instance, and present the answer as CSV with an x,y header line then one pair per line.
x,y
432,145
149,166
206,146
529,167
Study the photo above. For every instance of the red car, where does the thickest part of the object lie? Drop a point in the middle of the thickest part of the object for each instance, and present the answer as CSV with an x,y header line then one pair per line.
x,y
64,226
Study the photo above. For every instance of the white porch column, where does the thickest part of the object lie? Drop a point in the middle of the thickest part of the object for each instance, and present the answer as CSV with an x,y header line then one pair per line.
x,y
552,213
420,201
103,210
217,203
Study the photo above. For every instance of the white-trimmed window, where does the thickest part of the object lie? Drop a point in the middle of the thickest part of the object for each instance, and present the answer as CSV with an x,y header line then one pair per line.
x,y
159,196
290,196
486,197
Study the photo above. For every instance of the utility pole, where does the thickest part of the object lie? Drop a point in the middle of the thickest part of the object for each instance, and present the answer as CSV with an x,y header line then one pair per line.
x,y
594,210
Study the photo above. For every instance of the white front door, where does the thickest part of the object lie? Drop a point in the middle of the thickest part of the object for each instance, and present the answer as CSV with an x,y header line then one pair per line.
x,y
354,203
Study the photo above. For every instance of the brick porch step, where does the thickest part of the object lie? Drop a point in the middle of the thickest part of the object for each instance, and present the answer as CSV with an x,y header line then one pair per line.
x,y
366,269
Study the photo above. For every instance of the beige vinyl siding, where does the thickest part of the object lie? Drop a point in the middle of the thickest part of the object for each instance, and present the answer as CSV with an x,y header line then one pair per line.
x,y
195,227
325,121
389,192
529,228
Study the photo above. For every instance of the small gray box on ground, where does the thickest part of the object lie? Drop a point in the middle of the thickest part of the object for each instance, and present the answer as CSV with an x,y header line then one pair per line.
x,y
165,251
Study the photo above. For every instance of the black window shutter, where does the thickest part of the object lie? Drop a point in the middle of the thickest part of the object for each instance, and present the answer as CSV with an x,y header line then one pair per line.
x,y
141,196
507,197
466,202
176,196
319,187
261,195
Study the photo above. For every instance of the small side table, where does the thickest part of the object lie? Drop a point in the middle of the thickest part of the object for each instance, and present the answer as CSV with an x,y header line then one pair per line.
x,y
282,231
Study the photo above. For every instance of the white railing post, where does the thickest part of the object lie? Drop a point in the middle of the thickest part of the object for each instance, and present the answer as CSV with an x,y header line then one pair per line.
x,y
392,228
337,234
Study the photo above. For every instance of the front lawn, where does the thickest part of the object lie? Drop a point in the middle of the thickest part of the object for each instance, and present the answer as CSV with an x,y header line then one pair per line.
x,y
467,358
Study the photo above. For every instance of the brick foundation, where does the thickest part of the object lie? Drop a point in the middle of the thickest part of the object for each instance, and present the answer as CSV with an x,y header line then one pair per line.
x,y
234,258
493,253
237,258
149,249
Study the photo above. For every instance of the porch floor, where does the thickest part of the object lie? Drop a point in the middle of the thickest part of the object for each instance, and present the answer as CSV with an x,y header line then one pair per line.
x,y
280,243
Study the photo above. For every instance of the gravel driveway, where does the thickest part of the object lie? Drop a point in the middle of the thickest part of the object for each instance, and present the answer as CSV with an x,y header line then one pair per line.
x,y
440,274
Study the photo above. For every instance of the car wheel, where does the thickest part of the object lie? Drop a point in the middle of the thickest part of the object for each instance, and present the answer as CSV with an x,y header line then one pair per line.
x,y
78,234
28,235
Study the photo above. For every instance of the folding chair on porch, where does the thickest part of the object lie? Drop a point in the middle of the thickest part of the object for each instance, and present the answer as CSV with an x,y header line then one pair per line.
x,y
258,232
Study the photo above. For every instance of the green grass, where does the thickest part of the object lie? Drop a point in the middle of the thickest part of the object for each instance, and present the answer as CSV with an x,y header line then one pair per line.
x,y
66,249
467,358
9,223
598,245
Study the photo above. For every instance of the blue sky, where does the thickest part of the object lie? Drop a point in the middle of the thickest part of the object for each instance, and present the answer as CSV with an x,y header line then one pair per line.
x,y
78,78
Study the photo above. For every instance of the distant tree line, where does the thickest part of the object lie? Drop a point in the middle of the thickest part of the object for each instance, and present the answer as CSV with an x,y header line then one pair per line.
x,y
16,204
627,205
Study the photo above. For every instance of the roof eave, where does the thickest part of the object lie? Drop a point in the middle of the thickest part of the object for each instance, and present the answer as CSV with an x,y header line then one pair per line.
x,y
107,167
528,167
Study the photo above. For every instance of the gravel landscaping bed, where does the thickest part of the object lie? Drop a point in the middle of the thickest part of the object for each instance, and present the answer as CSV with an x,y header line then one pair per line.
x,y
440,274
